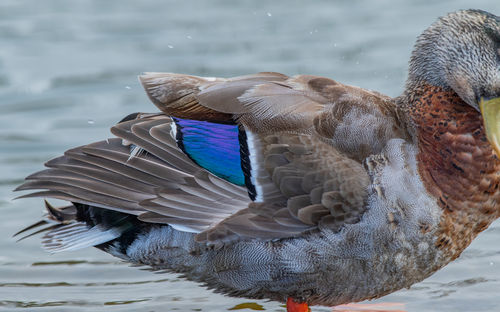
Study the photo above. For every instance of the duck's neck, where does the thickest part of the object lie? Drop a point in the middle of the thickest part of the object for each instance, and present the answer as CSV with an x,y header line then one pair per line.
x,y
456,163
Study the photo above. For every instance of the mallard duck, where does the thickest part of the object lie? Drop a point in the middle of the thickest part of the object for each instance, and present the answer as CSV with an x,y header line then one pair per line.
x,y
296,189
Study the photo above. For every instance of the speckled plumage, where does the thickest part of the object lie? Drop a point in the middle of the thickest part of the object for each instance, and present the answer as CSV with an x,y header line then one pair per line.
x,y
347,194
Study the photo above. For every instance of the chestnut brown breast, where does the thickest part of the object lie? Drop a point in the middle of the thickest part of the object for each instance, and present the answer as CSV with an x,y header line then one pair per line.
x,y
457,166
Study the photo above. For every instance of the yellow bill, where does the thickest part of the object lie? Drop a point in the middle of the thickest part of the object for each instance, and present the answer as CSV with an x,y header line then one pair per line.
x,y
491,118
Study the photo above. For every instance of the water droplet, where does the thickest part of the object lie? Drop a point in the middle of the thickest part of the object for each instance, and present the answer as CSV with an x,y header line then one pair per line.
x,y
170,46
90,121
189,37
269,14
128,87
492,263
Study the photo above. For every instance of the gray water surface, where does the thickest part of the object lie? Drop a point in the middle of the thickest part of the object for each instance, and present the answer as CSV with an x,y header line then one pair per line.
x,y
68,72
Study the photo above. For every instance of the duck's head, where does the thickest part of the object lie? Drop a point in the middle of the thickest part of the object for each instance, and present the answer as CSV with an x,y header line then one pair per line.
x,y
461,52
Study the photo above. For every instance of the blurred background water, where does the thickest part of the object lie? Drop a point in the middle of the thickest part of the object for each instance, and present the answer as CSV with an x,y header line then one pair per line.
x,y
68,72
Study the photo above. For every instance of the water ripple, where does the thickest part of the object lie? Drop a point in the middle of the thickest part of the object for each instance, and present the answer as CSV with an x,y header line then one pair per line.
x,y
79,303
74,262
66,284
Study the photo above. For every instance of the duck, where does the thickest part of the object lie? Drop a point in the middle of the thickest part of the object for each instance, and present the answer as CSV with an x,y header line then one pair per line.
x,y
300,189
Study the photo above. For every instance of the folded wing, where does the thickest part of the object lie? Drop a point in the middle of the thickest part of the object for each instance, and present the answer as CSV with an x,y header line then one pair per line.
x,y
263,156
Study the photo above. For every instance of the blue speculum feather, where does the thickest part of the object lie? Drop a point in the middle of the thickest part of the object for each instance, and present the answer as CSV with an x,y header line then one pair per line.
x,y
213,146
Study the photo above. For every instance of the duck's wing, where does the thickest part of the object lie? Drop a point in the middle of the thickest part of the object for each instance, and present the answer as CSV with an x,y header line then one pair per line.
x,y
250,157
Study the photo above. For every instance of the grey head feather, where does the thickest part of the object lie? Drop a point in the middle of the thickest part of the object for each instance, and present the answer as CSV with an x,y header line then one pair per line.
x,y
459,51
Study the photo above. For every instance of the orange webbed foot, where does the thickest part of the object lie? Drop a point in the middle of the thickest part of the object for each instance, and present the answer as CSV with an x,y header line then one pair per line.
x,y
294,306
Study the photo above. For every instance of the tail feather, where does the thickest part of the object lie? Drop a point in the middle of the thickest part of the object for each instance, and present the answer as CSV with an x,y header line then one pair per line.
x,y
78,235
54,217
35,225
67,229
